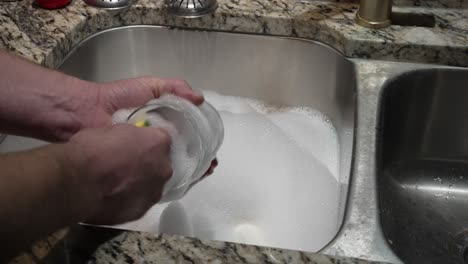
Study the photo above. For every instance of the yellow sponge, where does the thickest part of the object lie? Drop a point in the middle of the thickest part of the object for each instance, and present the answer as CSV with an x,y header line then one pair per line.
x,y
142,123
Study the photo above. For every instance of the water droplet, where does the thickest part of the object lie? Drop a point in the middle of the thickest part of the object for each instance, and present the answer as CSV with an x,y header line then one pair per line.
x,y
461,177
450,186
438,179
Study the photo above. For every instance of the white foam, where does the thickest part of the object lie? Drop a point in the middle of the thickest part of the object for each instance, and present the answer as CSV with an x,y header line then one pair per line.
x,y
120,116
231,104
276,184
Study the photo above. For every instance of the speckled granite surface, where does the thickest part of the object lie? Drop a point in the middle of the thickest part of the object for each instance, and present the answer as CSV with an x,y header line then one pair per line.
x,y
97,245
46,36
434,3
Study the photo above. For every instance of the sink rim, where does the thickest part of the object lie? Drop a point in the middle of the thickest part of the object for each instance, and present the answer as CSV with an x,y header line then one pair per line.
x,y
326,47
76,46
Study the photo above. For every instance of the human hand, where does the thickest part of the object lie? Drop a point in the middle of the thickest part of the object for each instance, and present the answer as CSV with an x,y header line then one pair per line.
x,y
110,97
119,172
103,100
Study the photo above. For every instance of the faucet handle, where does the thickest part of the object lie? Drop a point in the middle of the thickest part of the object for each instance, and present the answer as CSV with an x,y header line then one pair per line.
x,y
191,8
374,13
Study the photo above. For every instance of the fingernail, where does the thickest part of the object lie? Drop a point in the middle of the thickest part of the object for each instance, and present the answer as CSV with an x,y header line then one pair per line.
x,y
198,92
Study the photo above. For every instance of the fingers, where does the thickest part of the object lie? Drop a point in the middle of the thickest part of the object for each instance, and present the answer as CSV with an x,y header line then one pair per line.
x,y
211,169
151,133
138,91
180,88
130,182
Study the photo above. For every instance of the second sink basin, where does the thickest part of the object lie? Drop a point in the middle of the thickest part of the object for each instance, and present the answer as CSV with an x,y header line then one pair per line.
x,y
423,166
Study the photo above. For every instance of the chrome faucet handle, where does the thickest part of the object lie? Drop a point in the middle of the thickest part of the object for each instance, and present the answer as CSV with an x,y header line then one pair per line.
x,y
110,4
191,8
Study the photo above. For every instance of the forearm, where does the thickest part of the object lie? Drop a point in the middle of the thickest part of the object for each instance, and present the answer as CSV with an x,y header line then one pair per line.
x,y
37,197
38,102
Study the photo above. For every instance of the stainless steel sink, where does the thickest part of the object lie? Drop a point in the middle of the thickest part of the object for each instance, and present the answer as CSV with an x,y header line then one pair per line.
x,y
423,166
279,71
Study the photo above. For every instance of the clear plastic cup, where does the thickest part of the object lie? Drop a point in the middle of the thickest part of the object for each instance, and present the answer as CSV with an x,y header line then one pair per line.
x,y
201,127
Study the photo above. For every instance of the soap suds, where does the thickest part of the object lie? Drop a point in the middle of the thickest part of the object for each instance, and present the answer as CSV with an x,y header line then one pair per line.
x,y
276,184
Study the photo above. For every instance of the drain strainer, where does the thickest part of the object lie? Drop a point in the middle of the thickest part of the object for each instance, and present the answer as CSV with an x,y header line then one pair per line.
x,y
459,247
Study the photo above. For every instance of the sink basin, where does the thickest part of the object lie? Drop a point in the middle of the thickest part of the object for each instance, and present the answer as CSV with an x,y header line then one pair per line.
x,y
278,71
422,170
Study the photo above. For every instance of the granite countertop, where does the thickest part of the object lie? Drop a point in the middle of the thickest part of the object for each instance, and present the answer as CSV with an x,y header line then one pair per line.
x,y
45,37
86,244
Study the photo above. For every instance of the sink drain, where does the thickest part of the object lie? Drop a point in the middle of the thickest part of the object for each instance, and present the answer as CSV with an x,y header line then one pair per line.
x,y
459,247
465,255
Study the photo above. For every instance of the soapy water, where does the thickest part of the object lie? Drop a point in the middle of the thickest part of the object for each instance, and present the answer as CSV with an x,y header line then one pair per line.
x,y
277,183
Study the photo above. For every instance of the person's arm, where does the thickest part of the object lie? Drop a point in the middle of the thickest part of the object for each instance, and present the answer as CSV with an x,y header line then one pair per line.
x,y
104,174
38,102
49,105
101,176
35,197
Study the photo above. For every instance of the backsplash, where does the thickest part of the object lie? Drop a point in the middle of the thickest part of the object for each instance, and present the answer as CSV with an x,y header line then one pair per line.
x,y
422,3
433,3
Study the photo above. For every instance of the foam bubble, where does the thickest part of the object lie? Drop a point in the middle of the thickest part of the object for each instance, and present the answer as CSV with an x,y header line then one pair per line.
x,y
230,104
